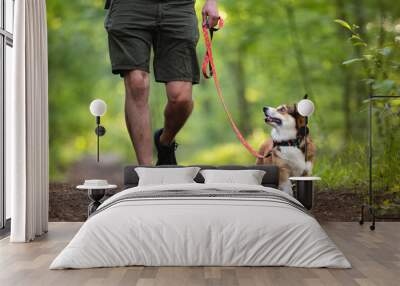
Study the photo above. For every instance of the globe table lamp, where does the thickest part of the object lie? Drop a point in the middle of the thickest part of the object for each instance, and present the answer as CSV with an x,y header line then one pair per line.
x,y
98,108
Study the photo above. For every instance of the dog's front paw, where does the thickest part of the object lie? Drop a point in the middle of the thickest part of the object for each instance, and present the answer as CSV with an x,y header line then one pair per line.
x,y
286,187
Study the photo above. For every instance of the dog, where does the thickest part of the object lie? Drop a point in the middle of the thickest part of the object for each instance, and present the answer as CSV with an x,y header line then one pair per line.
x,y
287,146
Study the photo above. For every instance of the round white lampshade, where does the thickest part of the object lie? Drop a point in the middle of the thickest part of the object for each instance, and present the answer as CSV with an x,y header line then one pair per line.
x,y
98,107
305,107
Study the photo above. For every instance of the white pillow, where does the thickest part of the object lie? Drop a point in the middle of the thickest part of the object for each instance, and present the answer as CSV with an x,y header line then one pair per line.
x,y
248,177
162,176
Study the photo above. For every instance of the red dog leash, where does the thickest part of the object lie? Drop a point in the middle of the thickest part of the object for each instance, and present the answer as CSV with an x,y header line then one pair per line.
x,y
208,61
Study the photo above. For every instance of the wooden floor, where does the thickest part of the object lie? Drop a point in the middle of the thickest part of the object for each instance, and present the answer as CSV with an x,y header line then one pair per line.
x,y
375,257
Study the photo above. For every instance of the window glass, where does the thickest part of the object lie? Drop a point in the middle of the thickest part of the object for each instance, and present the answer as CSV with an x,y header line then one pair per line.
x,y
9,9
2,197
1,14
8,88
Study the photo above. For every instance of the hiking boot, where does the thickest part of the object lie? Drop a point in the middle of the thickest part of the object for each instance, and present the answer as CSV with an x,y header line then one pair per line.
x,y
165,153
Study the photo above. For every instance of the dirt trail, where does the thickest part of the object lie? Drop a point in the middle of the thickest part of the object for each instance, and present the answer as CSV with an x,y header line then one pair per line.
x,y
109,168
69,204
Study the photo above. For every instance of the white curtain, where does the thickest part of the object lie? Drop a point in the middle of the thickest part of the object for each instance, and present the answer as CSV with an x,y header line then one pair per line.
x,y
27,124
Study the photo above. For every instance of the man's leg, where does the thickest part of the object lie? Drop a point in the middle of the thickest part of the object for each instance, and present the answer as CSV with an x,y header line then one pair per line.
x,y
137,114
177,110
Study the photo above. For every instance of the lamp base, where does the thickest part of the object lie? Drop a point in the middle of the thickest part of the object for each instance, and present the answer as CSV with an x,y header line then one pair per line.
x,y
304,193
304,190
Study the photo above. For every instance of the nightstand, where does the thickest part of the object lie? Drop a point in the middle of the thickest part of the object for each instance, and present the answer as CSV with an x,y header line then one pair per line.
x,y
304,190
96,191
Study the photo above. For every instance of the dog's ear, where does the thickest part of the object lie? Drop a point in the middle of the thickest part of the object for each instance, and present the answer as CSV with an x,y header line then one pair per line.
x,y
292,110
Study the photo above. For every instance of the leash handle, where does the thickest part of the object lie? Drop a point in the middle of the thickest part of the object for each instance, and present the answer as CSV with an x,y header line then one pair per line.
x,y
208,61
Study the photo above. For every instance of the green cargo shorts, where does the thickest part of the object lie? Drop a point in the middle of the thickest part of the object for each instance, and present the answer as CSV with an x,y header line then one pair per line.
x,y
170,27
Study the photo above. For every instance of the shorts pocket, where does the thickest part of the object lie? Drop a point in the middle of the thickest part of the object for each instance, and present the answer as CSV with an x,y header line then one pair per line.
x,y
110,11
196,30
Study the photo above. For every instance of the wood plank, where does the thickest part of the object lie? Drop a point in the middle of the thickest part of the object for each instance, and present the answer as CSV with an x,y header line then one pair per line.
x,y
375,257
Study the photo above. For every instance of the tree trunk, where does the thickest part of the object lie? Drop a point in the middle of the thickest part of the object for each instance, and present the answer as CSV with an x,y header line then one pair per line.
x,y
380,69
358,8
240,80
294,34
347,76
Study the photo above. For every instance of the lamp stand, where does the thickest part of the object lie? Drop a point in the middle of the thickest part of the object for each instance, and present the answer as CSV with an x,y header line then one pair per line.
x,y
100,131
98,137
305,137
370,204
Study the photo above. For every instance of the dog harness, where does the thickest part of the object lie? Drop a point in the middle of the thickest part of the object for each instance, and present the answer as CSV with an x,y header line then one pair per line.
x,y
292,142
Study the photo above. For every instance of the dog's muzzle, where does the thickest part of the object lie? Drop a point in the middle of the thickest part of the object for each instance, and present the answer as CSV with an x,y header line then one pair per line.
x,y
269,118
273,119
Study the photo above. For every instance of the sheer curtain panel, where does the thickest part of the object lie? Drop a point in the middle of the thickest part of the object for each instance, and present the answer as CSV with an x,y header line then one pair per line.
x,y
27,124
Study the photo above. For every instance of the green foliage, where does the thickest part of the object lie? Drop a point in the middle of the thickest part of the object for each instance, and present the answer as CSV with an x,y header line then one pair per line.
x,y
268,53
346,167
382,78
346,25
227,153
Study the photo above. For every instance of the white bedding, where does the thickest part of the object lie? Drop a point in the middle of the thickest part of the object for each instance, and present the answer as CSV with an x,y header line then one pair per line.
x,y
183,231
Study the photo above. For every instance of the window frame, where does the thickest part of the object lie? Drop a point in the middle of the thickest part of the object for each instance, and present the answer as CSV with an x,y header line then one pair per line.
x,y
6,39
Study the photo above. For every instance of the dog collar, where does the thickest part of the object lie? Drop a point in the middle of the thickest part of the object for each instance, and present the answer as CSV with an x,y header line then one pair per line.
x,y
292,142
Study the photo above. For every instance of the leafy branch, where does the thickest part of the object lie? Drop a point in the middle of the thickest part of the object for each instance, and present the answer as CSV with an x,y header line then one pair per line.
x,y
377,61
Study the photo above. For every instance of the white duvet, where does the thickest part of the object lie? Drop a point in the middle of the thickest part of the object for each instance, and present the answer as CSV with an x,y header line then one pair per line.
x,y
204,231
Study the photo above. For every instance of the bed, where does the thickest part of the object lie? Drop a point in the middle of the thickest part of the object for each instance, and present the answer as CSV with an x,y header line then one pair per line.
x,y
199,224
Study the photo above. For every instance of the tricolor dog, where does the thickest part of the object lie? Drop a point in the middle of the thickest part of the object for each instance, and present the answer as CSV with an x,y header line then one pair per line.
x,y
286,147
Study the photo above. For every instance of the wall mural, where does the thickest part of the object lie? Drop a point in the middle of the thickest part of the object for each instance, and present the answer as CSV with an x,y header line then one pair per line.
x,y
267,56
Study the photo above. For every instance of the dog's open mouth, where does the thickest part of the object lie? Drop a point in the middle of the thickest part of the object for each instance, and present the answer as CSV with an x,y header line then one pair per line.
x,y
273,119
